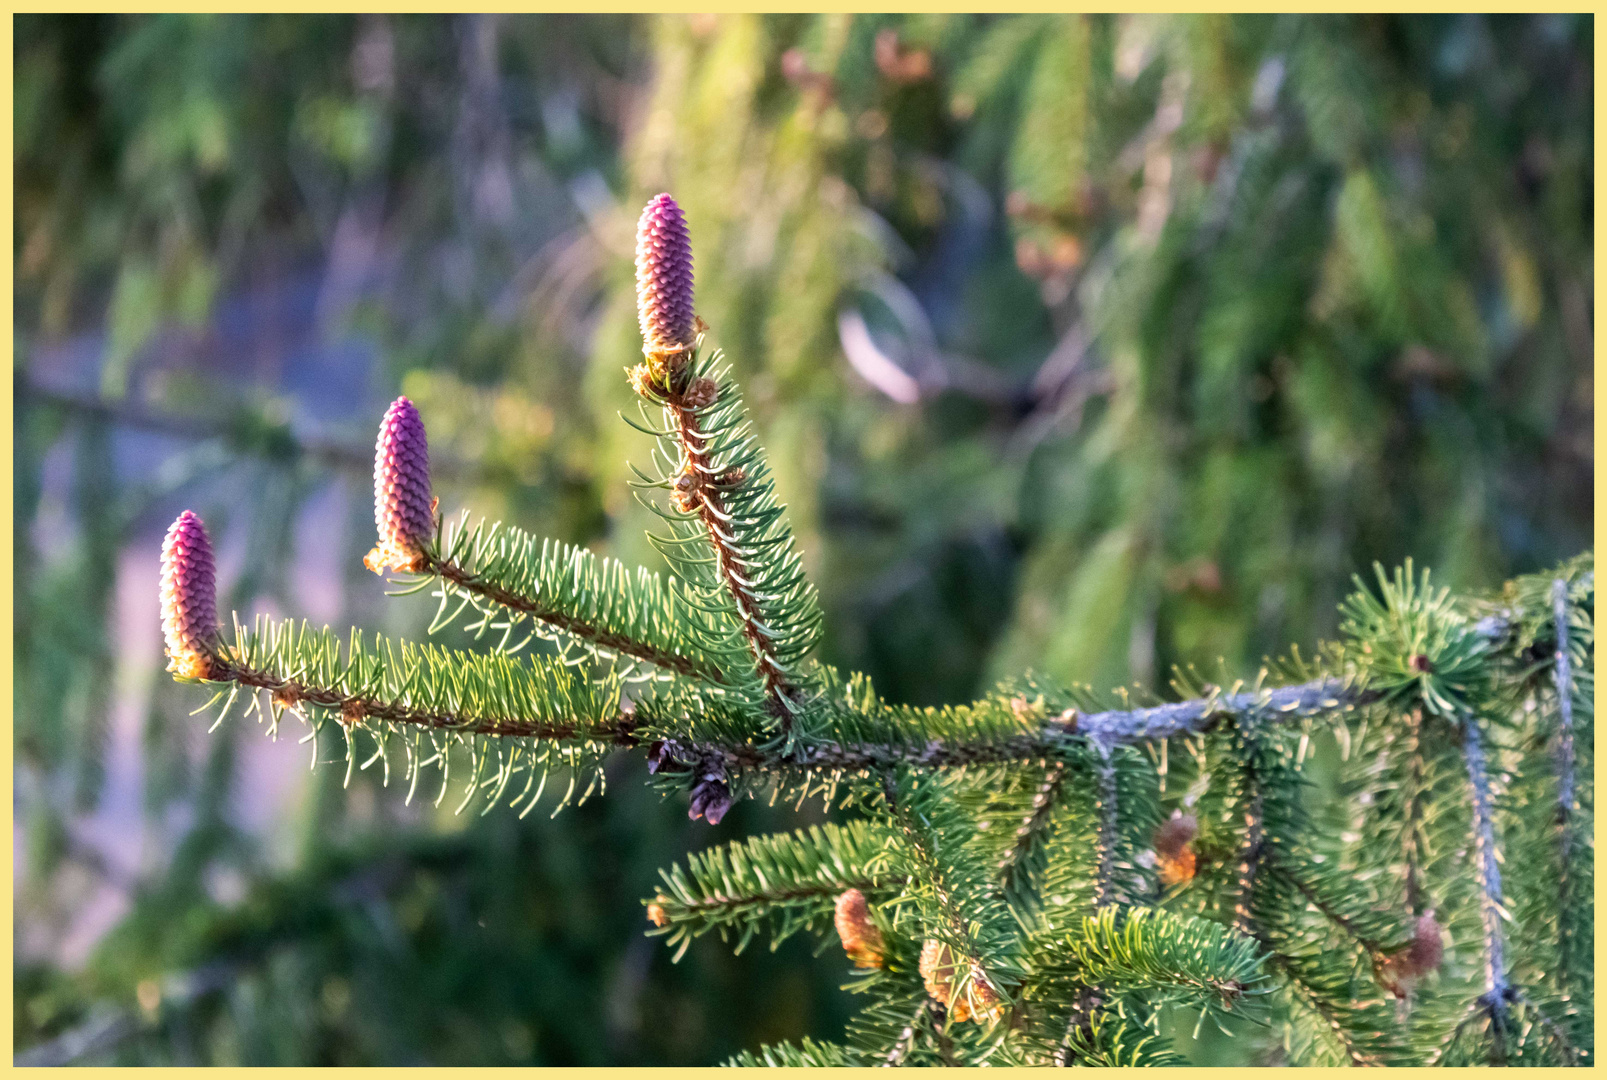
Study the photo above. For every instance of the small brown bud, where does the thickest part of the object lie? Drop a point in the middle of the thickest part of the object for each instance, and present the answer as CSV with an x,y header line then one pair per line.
x,y
655,914
733,476
1400,972
899,64
687,494
862,941
1422,664
701,394
1428,945
352,713
1175,861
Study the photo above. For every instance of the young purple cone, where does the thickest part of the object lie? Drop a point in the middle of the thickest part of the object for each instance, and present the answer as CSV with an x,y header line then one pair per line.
x,y
404,512
189,599
664,278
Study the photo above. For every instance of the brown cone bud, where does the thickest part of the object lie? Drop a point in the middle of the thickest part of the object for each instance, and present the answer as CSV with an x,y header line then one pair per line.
x,y
940,972
862,941
1400,972
1175,862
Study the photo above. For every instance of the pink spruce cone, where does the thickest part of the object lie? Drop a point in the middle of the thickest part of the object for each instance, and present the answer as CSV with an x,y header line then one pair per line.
x,y
664,277
189,598
404,513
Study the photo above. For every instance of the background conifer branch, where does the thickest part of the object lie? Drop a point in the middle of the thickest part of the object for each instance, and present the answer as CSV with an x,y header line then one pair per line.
x,y
1487,868
1565,718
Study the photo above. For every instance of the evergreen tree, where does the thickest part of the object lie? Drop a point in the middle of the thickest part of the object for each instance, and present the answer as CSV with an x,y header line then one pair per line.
x,y
1042,876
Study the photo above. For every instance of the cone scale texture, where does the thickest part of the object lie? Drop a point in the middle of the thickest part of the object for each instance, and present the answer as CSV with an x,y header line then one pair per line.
x,y
664,277
189,598
404,513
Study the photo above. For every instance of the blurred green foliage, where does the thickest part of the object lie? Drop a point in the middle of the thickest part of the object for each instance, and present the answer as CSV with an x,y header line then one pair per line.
x,y
1190,317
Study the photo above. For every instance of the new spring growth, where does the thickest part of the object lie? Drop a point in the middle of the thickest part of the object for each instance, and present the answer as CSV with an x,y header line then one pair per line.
x,y
861,940
404,512
664,305
664,277
189,599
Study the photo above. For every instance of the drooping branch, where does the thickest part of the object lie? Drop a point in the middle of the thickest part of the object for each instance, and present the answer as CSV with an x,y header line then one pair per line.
x,y
1249,863
1565,778
1413,840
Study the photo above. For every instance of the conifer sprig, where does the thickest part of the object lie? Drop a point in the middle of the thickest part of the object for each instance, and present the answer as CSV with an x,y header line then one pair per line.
x,y
788,881
719,483
567,592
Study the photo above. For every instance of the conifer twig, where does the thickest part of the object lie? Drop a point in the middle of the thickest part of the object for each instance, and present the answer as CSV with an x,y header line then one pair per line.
x,y
1413,833
1036,820
355,708
1249,862
1565,777
1104,882
906,1038
1375,950
462,578
958,922
1322,1007
732,564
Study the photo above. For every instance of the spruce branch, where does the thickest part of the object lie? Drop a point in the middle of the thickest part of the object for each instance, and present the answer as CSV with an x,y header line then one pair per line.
x,y
1563,675
906,1038
502,571
1412,835
1325,906
1252,848
1323,1005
